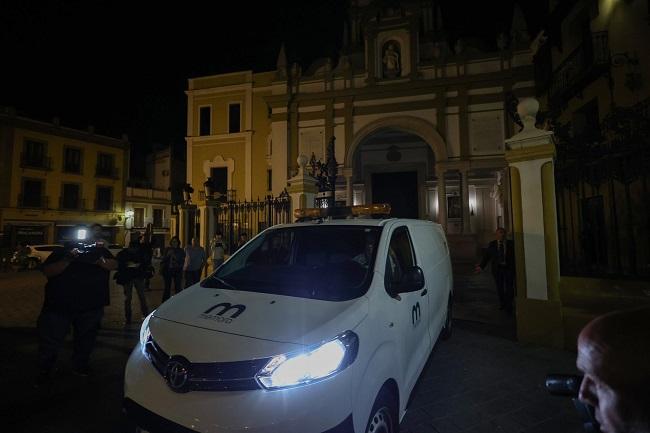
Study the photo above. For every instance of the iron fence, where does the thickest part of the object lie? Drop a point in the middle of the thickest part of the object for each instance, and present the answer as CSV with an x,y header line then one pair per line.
x,y
603,200
234,218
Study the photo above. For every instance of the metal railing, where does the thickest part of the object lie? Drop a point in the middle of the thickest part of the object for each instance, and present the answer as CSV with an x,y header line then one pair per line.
x,y
67,203
103,206
33,201
588,61
32,161
232,218
110,172
603,198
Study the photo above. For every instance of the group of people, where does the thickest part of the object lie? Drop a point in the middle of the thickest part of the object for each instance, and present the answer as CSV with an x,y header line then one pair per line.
x,y
78,289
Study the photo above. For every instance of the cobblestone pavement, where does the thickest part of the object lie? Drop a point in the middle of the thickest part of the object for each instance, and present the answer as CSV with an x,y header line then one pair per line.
x,y
480,380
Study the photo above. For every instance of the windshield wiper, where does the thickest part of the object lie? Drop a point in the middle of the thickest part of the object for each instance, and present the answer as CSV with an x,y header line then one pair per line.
x,y
222,282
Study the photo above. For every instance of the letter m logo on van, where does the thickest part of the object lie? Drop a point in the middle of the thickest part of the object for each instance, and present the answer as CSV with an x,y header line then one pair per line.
x,y
224,308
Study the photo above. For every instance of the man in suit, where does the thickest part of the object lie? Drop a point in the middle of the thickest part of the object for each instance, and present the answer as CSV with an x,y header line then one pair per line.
x,y
501,253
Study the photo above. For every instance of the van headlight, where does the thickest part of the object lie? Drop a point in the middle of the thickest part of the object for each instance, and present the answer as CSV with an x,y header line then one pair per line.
x,y
316,363
144,331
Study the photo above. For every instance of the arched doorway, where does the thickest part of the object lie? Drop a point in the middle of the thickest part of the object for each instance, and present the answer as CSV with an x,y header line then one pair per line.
x,y
393,160
393,166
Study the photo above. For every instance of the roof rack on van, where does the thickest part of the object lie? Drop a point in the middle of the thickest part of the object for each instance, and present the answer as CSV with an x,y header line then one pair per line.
x,y
377,210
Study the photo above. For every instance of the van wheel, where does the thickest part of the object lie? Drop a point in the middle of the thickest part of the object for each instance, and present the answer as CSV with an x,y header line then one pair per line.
x,y
446,330
383,416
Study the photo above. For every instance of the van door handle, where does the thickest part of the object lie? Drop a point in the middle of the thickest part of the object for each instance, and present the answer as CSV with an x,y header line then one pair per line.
x,y
424,292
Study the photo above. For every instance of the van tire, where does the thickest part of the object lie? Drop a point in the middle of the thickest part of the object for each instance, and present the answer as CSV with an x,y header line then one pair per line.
x,y
445,334
383,416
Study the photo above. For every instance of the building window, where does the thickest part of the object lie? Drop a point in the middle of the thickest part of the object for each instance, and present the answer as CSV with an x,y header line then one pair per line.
x,y
219,177
158,218
34,155
72,160
104,198
106,165
138,217
71,198
234,118
33,194
205,121
269,180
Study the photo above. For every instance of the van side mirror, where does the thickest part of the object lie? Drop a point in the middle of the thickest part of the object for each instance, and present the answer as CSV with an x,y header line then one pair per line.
x,y
412,281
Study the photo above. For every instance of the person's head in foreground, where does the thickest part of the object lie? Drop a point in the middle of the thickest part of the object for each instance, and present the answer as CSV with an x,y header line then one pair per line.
x,y
614,355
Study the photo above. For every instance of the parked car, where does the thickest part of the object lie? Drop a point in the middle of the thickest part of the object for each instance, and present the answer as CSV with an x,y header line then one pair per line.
x,y
318,326
37,254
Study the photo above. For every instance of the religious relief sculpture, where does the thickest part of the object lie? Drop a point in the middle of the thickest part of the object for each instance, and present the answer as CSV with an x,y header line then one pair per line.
x,y
391,60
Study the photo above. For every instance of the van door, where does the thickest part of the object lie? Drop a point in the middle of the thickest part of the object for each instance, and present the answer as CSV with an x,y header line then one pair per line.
x,y
411,310
430,251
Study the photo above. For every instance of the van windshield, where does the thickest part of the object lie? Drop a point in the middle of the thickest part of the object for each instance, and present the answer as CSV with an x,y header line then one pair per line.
x,y
330,263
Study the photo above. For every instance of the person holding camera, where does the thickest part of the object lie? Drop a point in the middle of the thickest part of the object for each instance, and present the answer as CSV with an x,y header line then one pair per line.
x,y
132,269
76,293
217,251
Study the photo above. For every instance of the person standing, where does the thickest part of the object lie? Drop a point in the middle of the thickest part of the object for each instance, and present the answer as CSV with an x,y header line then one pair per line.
x,y
132,266
171,267
76,293
243,238
147,252
217,251
194,261
501,253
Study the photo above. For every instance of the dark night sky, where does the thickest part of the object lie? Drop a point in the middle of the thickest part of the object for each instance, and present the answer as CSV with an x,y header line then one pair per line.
x,y
123,65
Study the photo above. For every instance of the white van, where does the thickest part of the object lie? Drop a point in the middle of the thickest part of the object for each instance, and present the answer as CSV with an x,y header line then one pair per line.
x,y
319,326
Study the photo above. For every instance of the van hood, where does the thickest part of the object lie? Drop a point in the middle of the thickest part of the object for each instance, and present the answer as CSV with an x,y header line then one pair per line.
x,y
277,318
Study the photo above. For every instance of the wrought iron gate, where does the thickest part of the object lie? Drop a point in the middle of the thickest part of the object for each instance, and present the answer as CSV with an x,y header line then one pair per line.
x,y
234,218
603,197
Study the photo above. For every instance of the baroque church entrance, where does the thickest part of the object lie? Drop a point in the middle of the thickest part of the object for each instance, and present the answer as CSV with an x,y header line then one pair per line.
x,y
394,166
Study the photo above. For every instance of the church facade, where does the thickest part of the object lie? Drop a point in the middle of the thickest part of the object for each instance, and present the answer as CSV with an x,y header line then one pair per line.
x,y
417,122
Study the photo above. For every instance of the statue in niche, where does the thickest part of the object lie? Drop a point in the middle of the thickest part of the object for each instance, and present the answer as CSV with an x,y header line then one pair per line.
x,y
391,60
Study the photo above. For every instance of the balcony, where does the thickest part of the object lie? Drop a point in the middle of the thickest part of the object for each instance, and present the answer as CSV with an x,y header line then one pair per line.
x,y
67,203
109,172
587,62
32,201
148,193
104,206
33,161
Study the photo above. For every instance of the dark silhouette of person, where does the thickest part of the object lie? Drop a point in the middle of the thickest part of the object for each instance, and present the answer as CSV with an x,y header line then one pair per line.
x,y
76,293
614,355
501,253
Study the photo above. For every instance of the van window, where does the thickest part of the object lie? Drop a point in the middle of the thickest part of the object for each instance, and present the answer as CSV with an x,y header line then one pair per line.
x,y
400,256
331,263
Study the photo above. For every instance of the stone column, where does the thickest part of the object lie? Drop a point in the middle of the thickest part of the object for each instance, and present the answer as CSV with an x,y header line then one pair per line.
x,y
464,185
530,156
302,187
347,172
442,196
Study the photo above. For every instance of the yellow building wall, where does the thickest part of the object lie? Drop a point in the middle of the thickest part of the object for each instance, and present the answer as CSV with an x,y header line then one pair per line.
x,y
219,103
227,149
262,132
54,178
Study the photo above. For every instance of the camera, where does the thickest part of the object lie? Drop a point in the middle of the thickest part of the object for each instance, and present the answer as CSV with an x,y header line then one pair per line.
x,y
568,385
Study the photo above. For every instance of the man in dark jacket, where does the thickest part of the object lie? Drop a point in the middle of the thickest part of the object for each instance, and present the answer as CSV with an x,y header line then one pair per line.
x,y
76,292
501,253
132,267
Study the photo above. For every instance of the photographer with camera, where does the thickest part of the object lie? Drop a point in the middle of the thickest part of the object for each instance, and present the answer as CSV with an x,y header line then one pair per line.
x,y
132,269
76,292
614,355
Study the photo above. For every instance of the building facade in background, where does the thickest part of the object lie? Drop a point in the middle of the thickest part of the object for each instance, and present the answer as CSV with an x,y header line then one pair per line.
x,y
54,180
149,201
592,66
418,123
